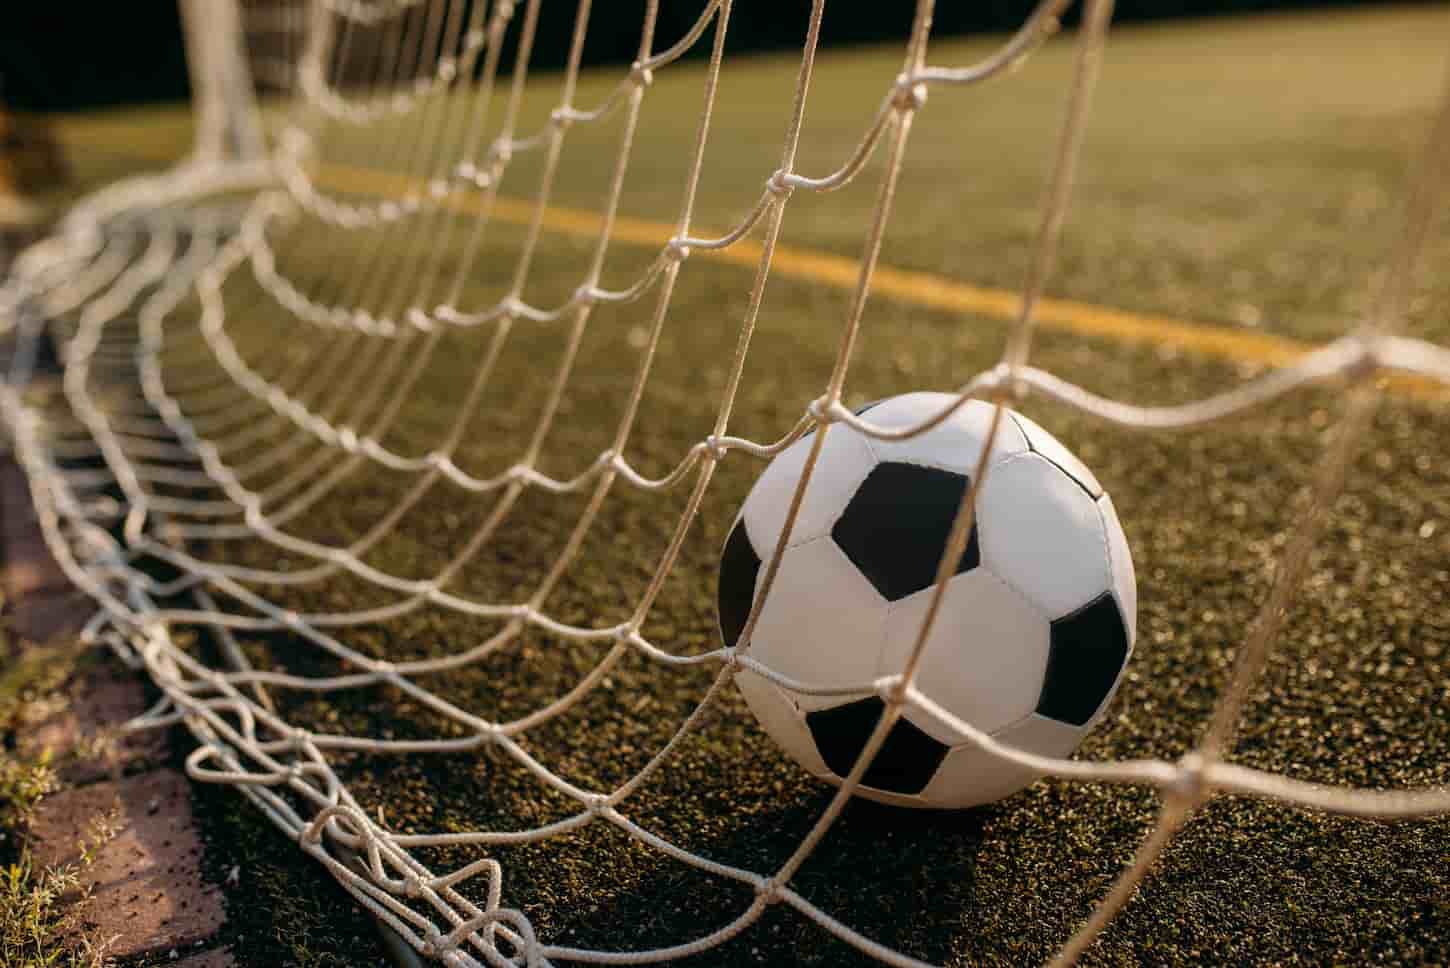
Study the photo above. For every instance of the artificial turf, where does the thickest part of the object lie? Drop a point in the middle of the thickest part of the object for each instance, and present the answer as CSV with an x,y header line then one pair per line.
x,y
1245,172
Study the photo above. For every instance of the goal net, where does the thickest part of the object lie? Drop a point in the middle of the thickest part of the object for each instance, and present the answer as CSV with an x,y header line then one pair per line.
x,y
396,431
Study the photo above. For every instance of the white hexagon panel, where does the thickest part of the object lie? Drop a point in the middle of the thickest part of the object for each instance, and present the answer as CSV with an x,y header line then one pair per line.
x,y
955,444
984,655
819,596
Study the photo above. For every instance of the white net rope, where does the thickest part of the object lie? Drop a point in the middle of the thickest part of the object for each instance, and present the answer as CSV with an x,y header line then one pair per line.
x,y
135,463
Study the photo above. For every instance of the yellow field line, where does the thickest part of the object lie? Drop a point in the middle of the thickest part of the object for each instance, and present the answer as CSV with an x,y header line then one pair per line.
x,y
903,285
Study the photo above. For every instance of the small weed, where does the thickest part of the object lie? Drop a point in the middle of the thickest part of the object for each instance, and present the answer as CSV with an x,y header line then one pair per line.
x,y
37,676
22,784
35,906
37,929
30,912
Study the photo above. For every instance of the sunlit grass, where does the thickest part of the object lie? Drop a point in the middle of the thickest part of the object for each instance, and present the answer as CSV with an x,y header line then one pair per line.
x,y
1239,172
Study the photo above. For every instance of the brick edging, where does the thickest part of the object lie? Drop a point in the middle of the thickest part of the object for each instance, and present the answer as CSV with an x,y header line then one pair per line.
x,y
145,892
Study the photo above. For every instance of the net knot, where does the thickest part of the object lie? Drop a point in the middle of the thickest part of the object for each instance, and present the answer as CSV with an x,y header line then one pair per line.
x,y
676,250
369,323
893,690
420,320
819,410
1366,361
447,69
909,93
715,444
596,803
434,944
1000,384
586,295
561,118
1190,783
640,76
503,12
412,886
768,889
777,184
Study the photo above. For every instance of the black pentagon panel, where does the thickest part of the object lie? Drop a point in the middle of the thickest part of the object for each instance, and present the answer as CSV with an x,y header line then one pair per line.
x,y
739,565
906,762
1087,651
896,526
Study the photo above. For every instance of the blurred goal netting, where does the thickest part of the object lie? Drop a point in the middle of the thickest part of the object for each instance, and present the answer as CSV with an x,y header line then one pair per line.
x,y
178,457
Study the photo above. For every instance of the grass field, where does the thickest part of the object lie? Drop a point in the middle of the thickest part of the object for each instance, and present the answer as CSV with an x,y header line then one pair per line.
x,y
1243,173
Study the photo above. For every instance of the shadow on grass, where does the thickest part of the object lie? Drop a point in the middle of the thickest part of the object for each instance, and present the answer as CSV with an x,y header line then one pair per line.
x,y
888,855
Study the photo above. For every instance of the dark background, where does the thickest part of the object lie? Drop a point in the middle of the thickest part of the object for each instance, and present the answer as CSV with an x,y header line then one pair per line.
x,y
57,56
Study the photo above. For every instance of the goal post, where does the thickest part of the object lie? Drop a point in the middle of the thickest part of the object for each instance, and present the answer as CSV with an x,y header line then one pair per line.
x,y
228,127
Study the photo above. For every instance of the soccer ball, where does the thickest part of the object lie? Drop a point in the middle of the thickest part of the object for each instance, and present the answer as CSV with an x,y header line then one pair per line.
x,y
1033,634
